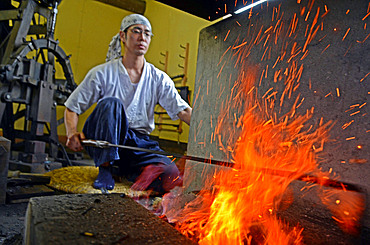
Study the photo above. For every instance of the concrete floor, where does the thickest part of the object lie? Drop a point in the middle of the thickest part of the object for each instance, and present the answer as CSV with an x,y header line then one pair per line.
x,y
12,218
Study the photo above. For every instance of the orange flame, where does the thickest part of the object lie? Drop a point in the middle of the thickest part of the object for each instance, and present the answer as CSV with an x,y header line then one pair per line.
x,y
241,206
227,216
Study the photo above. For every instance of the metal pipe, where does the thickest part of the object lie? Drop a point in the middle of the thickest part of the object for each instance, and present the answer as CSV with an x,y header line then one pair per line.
x,y
54,13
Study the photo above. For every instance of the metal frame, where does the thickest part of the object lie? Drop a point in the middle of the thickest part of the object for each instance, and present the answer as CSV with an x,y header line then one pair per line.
x,y
30,84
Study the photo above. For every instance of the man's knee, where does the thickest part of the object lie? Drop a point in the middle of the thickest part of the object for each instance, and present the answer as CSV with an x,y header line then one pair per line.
x,y
107,109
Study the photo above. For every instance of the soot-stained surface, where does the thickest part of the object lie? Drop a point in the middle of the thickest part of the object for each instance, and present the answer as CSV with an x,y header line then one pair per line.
x,y
95,219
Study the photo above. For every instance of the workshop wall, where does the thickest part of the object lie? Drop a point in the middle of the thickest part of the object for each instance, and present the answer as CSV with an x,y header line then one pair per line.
x,y
172,28
85,28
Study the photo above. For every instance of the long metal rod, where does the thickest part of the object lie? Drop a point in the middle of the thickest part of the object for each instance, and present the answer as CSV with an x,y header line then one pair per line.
x,y
283,173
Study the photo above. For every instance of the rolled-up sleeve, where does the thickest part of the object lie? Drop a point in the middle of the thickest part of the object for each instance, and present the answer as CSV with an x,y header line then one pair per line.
x,y
169,97
86,94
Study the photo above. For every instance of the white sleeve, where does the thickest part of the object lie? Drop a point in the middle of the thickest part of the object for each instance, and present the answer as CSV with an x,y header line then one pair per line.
x,y
86,94
169,98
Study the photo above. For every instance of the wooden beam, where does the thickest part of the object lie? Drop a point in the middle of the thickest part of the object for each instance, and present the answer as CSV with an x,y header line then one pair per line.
x,y
136,6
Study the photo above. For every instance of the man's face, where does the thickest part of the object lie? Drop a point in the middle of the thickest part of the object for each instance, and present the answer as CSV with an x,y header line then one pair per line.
x,y
136,39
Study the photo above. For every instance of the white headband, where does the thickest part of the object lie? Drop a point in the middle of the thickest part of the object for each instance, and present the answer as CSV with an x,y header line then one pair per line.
x,y
114,50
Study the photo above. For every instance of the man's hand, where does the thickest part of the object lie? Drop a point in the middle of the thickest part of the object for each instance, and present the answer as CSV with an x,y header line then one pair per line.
x,y
185,115
74,141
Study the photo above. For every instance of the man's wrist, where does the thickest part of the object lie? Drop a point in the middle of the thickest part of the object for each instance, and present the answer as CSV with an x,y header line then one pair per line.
x,y
69,135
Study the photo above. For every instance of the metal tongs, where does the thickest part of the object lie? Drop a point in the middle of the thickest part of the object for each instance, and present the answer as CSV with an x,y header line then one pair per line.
x,y
97,143
106,144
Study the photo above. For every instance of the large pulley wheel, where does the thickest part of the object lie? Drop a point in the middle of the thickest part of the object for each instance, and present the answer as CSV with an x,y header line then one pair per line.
x,y
42,49
31,78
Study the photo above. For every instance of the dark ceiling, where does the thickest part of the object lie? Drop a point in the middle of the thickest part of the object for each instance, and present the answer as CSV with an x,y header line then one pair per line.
x,y
207,9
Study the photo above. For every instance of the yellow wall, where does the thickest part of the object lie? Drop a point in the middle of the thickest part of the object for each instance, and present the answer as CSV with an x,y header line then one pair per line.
x,y
85,28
